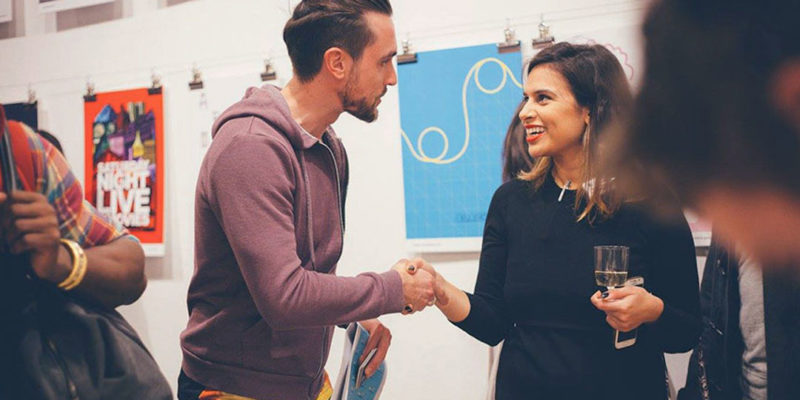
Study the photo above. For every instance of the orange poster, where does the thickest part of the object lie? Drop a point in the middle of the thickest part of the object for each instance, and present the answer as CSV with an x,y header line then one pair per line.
x,y
124,161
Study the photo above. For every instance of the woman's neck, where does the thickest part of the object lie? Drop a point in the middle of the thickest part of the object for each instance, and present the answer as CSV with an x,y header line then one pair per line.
x,y
568,172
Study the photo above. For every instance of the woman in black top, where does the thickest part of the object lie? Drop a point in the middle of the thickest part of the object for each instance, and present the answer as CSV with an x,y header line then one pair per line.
x,y
536,287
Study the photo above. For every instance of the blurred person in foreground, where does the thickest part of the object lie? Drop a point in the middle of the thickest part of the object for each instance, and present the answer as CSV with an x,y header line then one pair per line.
x,y
718,122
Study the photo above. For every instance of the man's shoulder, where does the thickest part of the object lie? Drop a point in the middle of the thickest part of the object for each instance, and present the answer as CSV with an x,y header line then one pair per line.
x,y
251,134
21,132
29,154
243,149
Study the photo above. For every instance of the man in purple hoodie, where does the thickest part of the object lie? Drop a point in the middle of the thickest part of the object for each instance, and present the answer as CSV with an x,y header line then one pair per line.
x,y
269,219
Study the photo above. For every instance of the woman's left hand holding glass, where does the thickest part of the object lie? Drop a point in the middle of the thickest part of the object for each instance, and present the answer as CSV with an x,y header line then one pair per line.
x,y
628,307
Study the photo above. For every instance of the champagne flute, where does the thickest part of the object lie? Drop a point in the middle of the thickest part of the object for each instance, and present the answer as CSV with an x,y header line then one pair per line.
x,y
611,270
610,265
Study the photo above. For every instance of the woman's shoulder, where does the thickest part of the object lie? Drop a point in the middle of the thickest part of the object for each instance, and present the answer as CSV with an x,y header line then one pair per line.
x,y
514,188
514,196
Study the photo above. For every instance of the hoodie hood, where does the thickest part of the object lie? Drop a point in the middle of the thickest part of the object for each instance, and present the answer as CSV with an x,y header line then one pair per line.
x,y
267,103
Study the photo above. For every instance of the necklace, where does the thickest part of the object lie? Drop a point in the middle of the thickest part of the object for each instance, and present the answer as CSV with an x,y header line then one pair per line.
x,y
564,189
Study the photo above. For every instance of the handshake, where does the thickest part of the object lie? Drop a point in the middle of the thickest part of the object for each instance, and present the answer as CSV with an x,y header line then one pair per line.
x,y
422,286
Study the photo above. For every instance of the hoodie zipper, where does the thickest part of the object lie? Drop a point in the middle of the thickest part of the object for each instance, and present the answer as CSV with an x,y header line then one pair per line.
x,y
338,191
341,232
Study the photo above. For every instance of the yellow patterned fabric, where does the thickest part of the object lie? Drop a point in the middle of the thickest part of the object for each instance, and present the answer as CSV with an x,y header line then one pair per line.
x,y
327,390
324,394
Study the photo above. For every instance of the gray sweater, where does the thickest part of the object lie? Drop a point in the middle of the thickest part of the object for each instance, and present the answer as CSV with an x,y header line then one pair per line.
x,y
269,222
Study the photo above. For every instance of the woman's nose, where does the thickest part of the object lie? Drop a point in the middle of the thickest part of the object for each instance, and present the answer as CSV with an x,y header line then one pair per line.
x,y
527,112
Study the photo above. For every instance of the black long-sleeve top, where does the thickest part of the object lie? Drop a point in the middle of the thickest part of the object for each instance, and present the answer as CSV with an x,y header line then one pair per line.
x,y
535,279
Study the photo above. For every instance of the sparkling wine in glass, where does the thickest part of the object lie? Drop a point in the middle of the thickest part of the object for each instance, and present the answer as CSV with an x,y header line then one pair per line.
x,y
610,265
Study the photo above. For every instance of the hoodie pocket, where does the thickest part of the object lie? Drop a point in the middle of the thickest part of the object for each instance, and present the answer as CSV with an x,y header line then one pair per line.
x,y
293,352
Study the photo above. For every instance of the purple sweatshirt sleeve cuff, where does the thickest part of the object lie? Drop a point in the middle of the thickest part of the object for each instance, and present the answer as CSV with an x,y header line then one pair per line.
x,y
395,300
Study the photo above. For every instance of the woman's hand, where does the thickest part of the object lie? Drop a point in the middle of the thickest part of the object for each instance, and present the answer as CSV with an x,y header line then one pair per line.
x,y
450,300
628,307
439,282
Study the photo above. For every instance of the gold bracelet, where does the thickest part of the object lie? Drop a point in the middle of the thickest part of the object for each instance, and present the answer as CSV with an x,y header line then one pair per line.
x,y
74,256
82,264
79,263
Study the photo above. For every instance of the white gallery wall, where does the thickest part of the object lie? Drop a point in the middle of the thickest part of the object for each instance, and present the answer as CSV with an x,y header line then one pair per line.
x,y
55,54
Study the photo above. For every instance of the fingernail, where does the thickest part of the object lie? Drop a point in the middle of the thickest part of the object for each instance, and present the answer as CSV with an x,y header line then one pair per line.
x,y
605,294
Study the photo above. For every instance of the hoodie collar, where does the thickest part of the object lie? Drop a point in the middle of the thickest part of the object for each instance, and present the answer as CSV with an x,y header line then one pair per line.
x,y
299,137
268,104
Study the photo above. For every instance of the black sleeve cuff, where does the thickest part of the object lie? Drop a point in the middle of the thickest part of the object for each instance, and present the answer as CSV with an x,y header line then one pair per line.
x,y
483,322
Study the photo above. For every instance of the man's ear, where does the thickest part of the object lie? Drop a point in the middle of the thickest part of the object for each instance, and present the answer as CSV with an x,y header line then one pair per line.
x,y
337,62
786,91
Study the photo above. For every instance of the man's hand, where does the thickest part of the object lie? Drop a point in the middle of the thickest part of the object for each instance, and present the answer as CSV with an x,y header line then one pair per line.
x,y
418,288
439,281
380,338
29,224
628,307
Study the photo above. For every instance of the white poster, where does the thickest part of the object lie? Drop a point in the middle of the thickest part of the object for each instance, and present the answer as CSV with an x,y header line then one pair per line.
x,y
61,5
6,11
217,94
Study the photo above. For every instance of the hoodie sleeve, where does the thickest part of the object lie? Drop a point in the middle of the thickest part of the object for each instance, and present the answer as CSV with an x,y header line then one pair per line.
x,y
252,186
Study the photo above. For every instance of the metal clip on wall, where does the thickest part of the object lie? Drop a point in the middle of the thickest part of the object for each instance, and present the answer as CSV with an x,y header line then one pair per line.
x,y
511,44
155,87
90,94
545,38
197,79
269,73
31,96
408,56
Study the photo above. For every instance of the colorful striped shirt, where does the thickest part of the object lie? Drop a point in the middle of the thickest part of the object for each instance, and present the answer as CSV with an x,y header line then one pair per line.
x,y
78,220
325,394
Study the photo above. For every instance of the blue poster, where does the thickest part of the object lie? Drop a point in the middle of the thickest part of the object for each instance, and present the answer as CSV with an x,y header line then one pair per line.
x,y
455,107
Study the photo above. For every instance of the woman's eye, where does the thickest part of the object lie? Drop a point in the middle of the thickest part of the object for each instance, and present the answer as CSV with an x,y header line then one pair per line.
x,y
542,98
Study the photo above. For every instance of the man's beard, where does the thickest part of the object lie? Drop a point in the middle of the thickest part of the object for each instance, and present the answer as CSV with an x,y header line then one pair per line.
x,y
358,108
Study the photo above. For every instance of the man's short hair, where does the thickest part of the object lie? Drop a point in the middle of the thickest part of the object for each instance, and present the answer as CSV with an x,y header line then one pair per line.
x,y
704,114
318,25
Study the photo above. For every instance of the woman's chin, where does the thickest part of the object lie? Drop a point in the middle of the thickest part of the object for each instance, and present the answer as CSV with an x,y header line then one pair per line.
x,y
535,150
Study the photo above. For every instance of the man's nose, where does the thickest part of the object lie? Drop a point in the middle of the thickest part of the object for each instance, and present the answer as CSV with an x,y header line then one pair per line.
x,y
392,78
